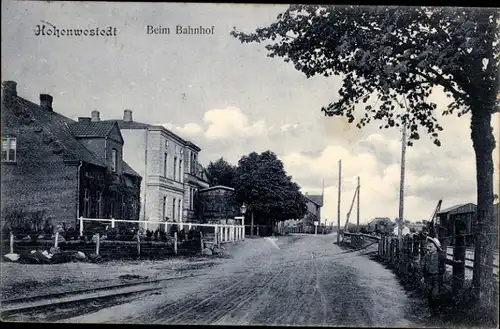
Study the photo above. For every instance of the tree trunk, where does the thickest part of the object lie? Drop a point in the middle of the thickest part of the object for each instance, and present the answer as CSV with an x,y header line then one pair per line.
x,y
483,142
251,225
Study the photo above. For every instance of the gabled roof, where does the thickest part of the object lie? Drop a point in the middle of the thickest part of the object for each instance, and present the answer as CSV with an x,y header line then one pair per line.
x,y
217,187
128,170
316,199
50,124
379,219
57,126
141,125
461,208
92,128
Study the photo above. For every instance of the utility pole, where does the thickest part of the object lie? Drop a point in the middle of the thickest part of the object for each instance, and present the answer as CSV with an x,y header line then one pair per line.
x,y
358,202
401,186
338,201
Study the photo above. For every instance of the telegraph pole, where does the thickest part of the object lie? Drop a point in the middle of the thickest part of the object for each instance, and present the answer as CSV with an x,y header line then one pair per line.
x,y
401,186
358,201
338,201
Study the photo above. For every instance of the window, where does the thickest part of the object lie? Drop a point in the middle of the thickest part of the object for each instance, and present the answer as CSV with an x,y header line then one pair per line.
x,y
180,211
180,171
164,209
112,207
9,149
173,210
175,168
165,165
134,209
86,203
99,198
193,163
114,159
191,198
123,207
166,144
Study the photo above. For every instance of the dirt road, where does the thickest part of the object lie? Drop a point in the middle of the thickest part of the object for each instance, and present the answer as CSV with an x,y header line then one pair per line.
x,y
301,280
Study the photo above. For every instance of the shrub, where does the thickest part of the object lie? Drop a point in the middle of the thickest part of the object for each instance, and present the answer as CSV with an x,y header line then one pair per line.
x,y
71,234
162,236
111,234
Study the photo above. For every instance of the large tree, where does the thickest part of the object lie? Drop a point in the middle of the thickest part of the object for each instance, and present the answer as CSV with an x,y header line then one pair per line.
x,y
398,55
270,195
221,172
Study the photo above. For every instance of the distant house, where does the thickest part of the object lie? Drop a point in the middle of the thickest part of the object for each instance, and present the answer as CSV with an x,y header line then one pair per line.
x,y
380,225
63,167
416,227
314,204
216,204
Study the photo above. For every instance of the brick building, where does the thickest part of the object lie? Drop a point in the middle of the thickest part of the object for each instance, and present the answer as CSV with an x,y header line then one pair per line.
x,y
169,167
64,167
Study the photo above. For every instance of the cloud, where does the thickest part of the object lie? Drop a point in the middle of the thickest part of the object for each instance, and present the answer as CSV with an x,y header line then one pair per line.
x,y
431,173
190,129
288,127
231,122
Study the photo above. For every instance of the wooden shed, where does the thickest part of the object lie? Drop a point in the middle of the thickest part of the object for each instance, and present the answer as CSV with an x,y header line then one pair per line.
x,y
446,221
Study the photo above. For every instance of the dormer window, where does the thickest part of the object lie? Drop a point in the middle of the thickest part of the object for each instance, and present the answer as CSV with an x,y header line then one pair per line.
x,y
114,159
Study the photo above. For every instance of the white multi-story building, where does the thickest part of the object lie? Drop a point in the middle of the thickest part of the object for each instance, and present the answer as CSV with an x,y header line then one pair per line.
x,y
169,167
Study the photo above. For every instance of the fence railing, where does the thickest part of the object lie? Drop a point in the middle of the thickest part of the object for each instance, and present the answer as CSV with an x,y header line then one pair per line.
x,y
222,232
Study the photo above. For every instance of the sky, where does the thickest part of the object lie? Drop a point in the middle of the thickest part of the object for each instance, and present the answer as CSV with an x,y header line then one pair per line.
x,y
231,99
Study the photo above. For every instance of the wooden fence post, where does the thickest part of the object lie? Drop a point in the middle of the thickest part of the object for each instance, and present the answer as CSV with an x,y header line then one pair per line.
x,y
202,242
443,239
11,243
112,222
138,244
459,256
56,240
97,244
81,225
175,243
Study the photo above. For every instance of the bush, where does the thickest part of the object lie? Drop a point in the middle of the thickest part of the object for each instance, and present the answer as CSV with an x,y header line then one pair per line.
x,y
111,234
71,234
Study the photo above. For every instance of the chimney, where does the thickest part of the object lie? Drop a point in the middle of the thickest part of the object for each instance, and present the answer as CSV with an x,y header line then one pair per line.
x,y
9,91
83,119
95,116
46,102
127,116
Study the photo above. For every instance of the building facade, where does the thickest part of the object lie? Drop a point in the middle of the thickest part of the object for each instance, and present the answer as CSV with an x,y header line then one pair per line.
x,y
169,167
217,203
314,204
61,167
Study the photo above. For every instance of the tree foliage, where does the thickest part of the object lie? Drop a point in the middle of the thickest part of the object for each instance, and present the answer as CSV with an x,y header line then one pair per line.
x,y
397,54
263,185
221,172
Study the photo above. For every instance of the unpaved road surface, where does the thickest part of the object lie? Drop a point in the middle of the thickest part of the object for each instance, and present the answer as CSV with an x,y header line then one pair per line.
x,y
291,280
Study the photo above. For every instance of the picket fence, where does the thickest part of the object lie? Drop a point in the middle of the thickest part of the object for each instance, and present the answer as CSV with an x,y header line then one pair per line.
x,y
222,232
